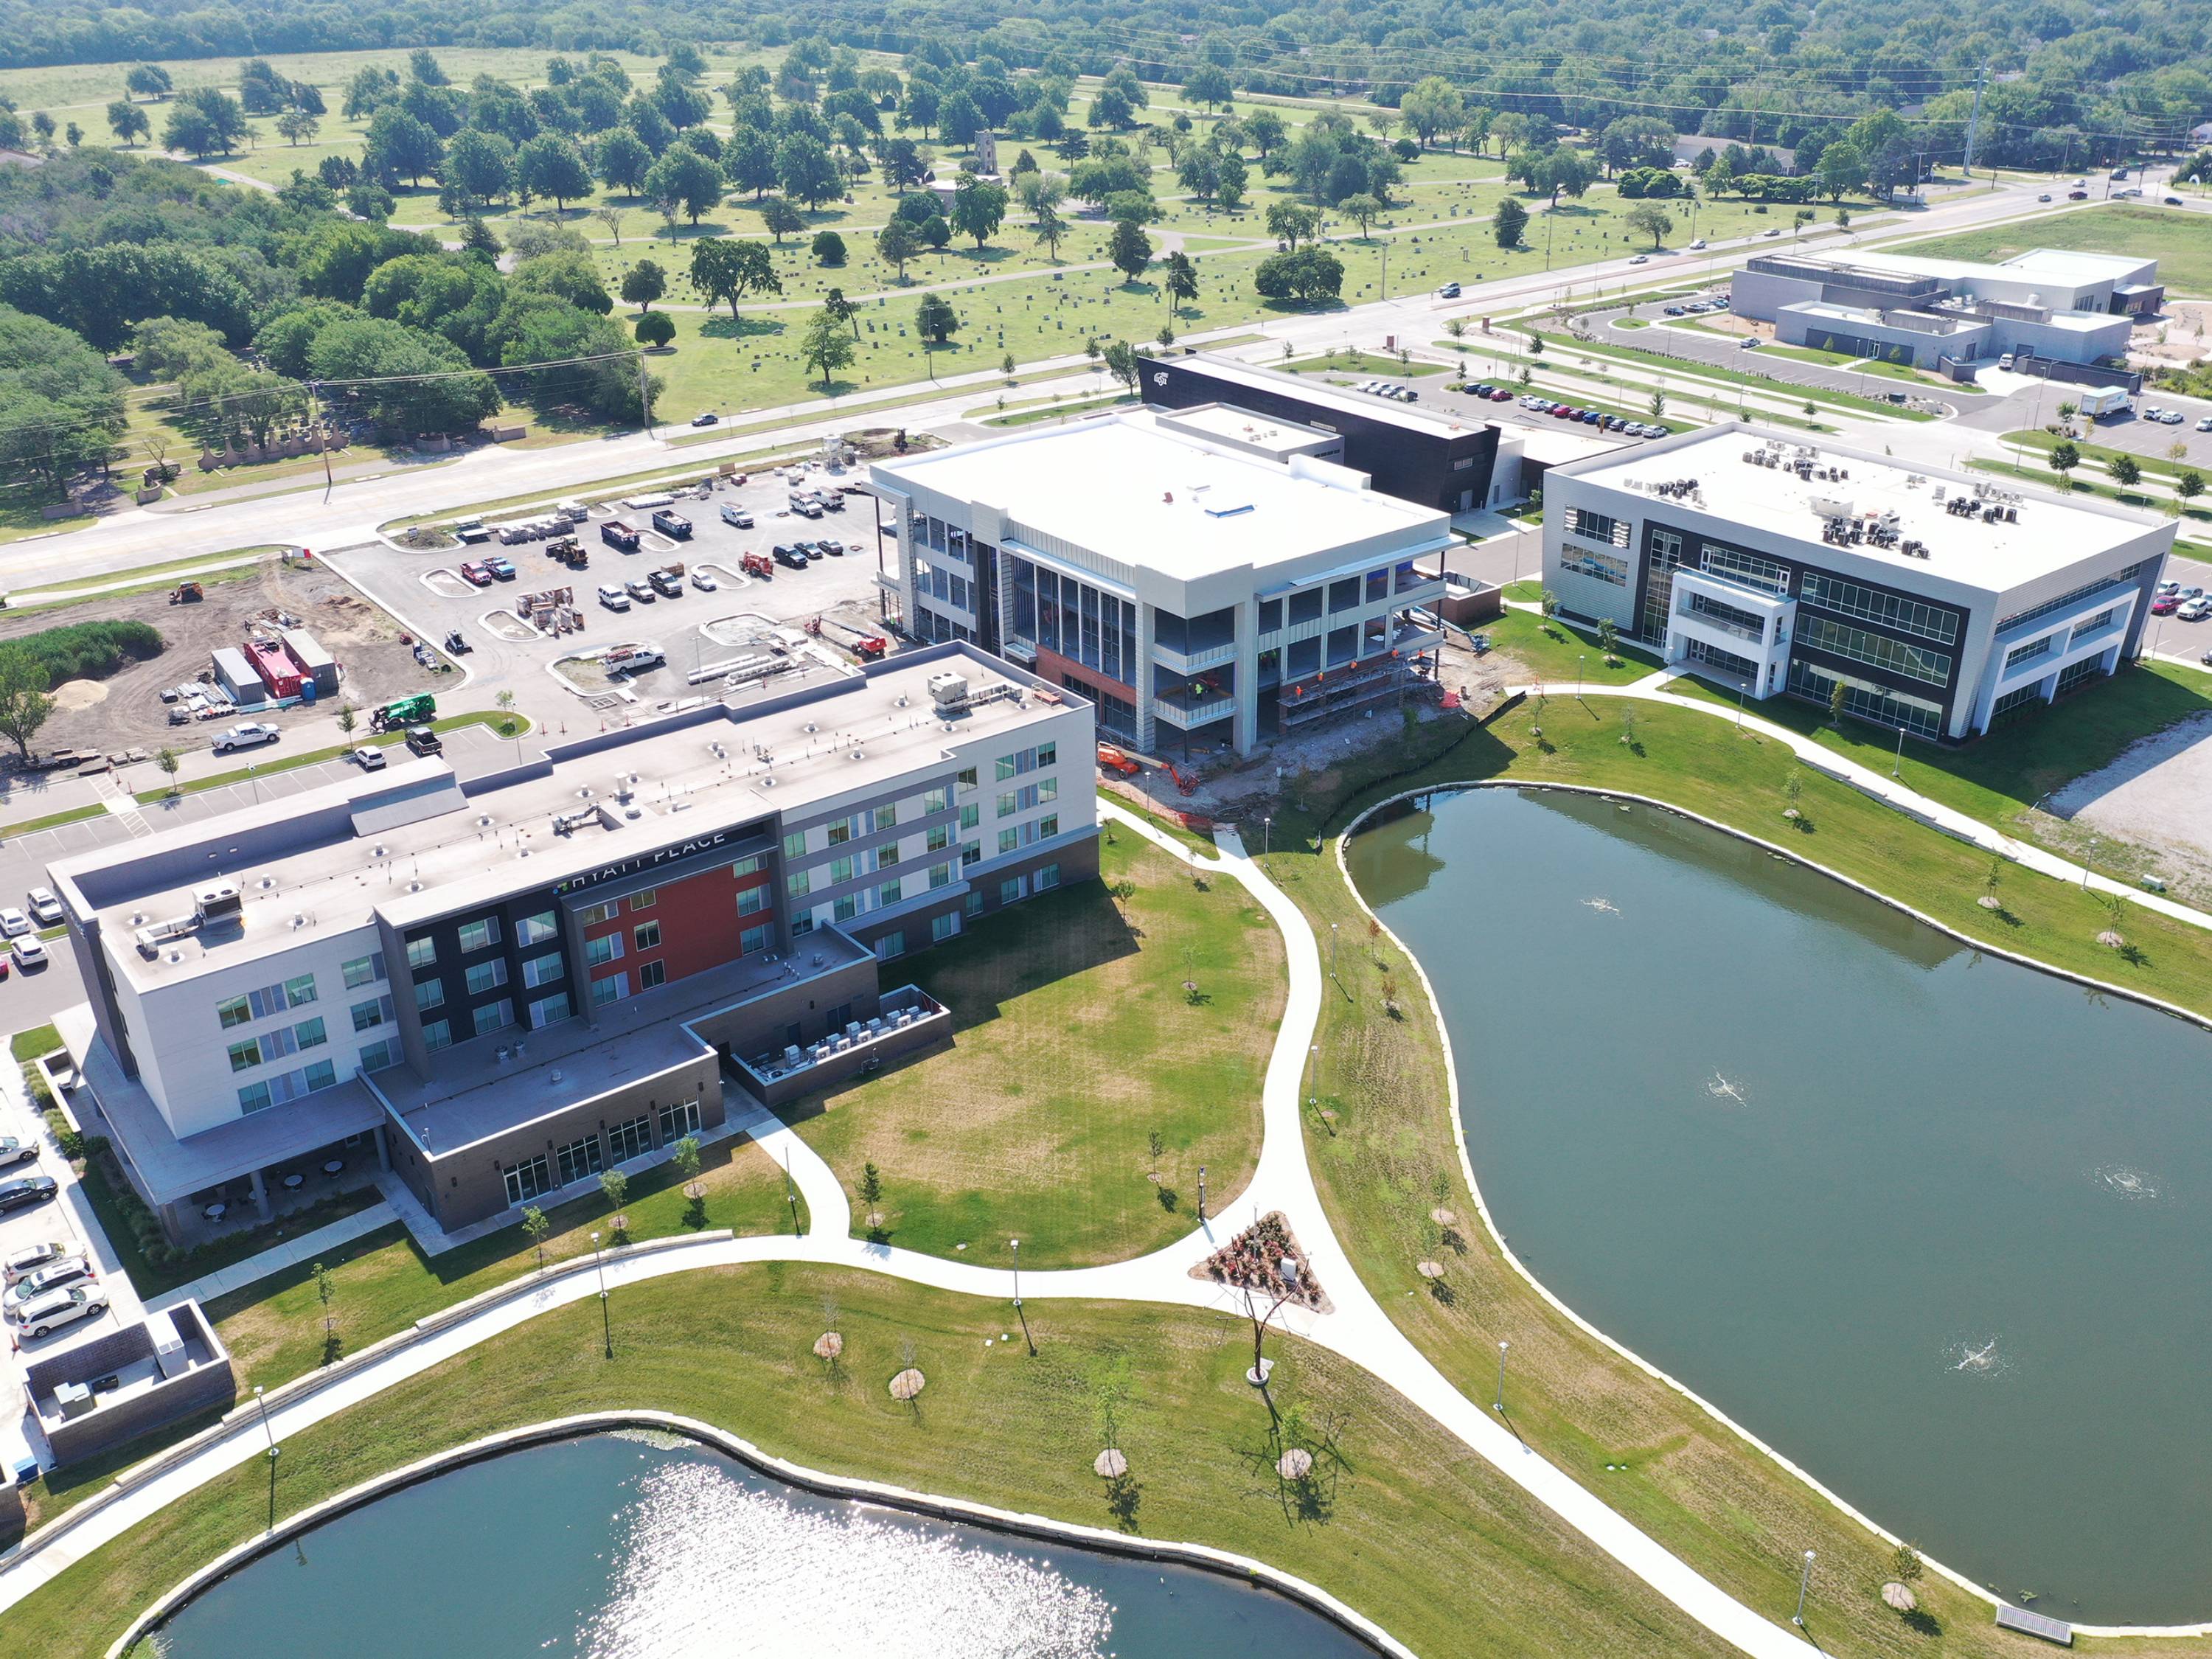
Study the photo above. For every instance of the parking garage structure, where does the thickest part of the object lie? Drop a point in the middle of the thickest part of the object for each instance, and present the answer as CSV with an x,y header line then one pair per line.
x,y
479,993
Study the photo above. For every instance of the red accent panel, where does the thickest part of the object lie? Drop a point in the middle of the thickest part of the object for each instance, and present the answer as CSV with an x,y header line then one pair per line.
x,y
699,922
1051,665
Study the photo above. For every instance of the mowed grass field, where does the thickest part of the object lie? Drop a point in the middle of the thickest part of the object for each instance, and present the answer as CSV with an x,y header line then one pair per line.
x,y
2180,241
1399,1521
1074,1042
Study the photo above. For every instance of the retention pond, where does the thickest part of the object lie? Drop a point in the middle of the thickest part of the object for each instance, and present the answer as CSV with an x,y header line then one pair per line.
x,y
645,1546
1936,1226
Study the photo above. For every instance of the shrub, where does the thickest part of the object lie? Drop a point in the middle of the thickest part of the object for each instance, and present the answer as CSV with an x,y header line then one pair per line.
x,y
92,650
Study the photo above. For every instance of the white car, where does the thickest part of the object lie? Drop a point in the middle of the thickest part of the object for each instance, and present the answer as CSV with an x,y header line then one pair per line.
x,y
29,953
13,1151
19,1265
614,597
45,908
12,922
1640,259
369,758
2195,611
703,582
249,734
54,1276
51,1313
1697,246
2204,423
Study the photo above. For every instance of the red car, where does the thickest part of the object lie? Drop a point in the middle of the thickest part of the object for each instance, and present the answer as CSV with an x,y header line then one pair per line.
x,y
1564,413
477,575
1501,396
2165,604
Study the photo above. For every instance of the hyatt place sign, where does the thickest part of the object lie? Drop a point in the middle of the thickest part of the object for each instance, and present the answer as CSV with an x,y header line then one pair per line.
x,y
630,866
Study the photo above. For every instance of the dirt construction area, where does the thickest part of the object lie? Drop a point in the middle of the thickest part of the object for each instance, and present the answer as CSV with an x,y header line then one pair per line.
x,y
125,710
2154,795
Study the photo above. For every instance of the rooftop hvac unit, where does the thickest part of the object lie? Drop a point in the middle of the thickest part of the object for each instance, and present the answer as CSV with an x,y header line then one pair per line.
x,y
1832,507
948,688
218,901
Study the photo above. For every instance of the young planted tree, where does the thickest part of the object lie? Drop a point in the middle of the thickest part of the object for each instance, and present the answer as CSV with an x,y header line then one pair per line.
x,y
2125,473
615,1186
871,1193
535,1226
168,760
327,1292
2063,460
1839,698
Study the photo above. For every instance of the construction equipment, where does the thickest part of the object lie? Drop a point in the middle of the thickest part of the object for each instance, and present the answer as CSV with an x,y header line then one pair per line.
x,y
757,564
1113,760
186,593
861,643
406,711
1186,785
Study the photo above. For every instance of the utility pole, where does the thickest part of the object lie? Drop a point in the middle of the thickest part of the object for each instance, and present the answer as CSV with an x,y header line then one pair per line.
x,y
1974,120
645,394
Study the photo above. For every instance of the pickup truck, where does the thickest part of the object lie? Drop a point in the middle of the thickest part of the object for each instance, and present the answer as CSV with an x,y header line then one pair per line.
x,y
667,581
672,525
251,735
614,597
615,533
736,517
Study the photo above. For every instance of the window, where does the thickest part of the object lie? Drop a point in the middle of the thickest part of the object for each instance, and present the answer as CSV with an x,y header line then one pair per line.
x,y
1047,789
254,1097
1048,754
676,1121
1916,660
1048,826
885,856
646,900
592,915
971,853
1009,839
495,1017
1870,604
794,844
421,952
245,1056
1005,767
1011,891
746,866
542,970
939,838
437,1034
650,974
887,816
846,908
608,947
841,832
299,992
1344,595
536,930
1868,701
233,1010
841,870
1749,569
579,1159
760,938
527,1179
1600,527
1602,566
2090,625
943,927
613,988
648,936
1378,585
1047,875
965,778
974,904
550,1010
363,970
2126,578
752,900
310,1034
1010,804
479,935
632,1139
379,1056
2030,652
970,816
938,799
887,894
940,875
367,1016
892,943
797,883
487,976
429,994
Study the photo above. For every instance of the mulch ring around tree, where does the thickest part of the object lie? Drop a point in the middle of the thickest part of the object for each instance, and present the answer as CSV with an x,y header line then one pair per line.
x,y
1265,1260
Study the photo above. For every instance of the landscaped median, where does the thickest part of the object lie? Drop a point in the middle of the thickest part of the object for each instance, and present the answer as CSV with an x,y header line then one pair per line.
x,y
1399,1520
505,726
1386,1153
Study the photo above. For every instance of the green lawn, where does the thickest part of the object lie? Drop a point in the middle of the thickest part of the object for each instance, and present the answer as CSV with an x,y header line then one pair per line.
x,y
1372,364
507,726
31,1044
1074,1040
1730,1510
2180,242
1555,652
1399,1521
1695,371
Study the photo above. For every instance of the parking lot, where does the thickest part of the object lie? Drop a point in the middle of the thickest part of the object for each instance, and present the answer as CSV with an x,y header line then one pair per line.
x,y
509,654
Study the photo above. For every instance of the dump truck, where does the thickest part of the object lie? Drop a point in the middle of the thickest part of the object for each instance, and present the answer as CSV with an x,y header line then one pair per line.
x,y
407,711
668,581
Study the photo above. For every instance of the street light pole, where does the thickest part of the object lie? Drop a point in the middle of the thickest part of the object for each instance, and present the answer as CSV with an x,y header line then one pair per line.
x,y
1332,950
1015,1245
606,1319
1201,1194
1899,761
1498,1404
265,1429
1267,836
1804,1580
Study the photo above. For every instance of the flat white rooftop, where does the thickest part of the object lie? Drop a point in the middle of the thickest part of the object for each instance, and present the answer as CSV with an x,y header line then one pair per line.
x,y
1242,426
1124,489
2060,266
2052,533
2075,267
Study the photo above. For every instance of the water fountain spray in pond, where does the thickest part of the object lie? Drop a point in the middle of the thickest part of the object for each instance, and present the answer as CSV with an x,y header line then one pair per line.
x,y
2120,1181
1603,906
1721,1088
1977,1357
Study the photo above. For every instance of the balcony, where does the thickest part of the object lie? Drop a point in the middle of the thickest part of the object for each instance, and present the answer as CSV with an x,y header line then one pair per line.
x,y
1189,716
1192,662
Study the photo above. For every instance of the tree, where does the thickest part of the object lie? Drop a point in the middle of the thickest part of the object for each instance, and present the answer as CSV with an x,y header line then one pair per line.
x,y
2125,473
1110,108
1311,274
169,761
1207,86
655,328
616,1186
723,268
1123,363
624,160
645,282
1508,223
1840,170
978,208
1264,131
24,705
806,172
1129,248
682,175
1430,108
781,218
872,1190
1362,208
550,164
128,122
1652,221
936,319
1231,177
1289,223
2063,460
827,248
1839,699
2188,487
480,164
1608,637
147,80
1048,226
1804,217
1179,277
896,243
398,146
905,164
827,344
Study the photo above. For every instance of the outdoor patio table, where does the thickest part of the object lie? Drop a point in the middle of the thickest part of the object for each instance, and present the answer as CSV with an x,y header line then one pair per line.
x,y
334,1166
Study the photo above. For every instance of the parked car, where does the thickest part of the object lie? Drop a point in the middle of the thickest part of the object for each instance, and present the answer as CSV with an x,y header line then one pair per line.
x,y
834,549
736,517
369,758
19,1264
1500,396
51,1313
12,922
475,575
247,734
54,1276
13,1151
613,597
2169,585
2205,422
422,741
789,557
2165,604
1747,346
26,1190
502,569
2189,594
703,582
44,907
643,591
2194,610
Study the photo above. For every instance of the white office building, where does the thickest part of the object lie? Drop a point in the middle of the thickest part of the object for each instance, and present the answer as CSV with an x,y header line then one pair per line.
x,y
1208,577
1943,601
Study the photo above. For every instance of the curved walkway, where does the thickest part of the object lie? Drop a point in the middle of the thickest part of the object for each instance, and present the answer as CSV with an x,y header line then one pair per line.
x,y
1358,1329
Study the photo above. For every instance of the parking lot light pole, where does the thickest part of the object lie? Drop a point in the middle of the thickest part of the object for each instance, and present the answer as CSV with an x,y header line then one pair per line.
x,y
1498,1404
1804,1582
264,1404
606,1320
